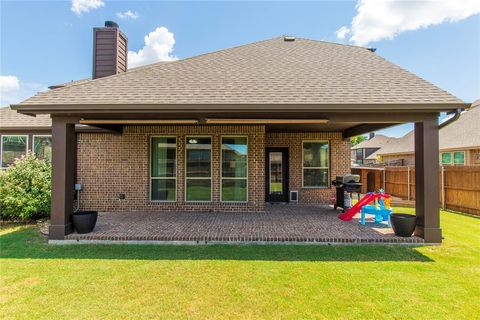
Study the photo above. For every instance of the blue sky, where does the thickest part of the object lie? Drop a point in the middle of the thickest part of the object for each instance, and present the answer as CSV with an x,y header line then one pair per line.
x,y
44,43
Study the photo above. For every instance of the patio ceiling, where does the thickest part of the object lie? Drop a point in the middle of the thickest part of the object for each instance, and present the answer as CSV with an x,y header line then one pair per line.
x,y
350,123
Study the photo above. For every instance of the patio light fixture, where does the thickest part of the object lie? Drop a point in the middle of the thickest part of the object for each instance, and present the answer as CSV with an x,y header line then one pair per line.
x,y
266,121
138,121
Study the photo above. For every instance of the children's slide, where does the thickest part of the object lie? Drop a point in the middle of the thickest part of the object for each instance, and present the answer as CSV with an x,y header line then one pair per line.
x,y
347,216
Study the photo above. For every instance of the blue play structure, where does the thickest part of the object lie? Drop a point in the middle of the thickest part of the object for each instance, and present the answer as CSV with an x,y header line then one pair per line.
x,y
380,210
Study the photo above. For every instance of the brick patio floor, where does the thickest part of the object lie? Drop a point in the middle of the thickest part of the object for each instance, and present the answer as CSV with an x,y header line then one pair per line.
x,y
280,223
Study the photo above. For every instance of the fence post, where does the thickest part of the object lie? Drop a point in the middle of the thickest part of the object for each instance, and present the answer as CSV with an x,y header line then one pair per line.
x,y
408,183
384,183
443,187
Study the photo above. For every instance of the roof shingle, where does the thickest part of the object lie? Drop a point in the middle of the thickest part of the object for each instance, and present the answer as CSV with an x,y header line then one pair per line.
x,y
461,134
377,141
267,72
10,119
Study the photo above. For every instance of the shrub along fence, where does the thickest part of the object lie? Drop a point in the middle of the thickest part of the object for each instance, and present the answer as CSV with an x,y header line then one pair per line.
x,y
459,186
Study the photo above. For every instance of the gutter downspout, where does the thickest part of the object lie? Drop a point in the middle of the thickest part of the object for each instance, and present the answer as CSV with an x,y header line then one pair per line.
x,y
452,119
455,117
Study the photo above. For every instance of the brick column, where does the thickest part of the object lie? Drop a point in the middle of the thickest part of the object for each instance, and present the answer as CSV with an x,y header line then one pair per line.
x,y
426,180
63,174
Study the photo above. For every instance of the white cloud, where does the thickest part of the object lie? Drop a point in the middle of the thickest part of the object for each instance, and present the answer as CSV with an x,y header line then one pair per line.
x,y
342,32
80,6
378,20
13,91
158,47
128,15
9,83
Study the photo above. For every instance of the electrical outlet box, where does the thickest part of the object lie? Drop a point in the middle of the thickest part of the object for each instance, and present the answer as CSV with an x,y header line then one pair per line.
x,y
78,187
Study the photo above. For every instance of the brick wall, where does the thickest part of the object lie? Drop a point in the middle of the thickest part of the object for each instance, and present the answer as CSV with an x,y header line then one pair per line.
x,y
339,161
109,164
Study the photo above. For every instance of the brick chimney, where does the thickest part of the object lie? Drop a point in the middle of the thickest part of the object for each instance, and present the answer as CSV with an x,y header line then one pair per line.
x,y
110,47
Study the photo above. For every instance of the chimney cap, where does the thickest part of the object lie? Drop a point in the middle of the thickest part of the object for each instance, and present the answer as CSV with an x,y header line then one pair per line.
x,y
111,24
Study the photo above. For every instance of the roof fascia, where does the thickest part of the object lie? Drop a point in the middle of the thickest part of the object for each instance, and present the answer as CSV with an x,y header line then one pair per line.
x,y
140,108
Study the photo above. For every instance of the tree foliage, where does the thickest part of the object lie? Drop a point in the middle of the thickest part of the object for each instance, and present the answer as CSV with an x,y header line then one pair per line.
x,y
25,189
357,139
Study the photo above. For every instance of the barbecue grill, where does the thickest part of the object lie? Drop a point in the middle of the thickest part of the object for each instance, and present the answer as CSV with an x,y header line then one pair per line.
x,y
346,185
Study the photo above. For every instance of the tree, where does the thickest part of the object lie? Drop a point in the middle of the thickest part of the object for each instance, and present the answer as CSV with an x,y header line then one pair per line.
x,y
356,140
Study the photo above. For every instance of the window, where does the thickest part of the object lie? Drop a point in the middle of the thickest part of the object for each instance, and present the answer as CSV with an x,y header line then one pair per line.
x,y
359,156
13,147
234,169
276,172
163,170
459,158
446,158
315,164
42,147
198,169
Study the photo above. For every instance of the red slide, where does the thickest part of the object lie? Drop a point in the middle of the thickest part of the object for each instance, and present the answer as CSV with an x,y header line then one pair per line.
x,y
347,216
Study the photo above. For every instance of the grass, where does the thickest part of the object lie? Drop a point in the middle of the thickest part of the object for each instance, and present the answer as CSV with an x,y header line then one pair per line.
x,y
198,193
248,282
276,187
233,194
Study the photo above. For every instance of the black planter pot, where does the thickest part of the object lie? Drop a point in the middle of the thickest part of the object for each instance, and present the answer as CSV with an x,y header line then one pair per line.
x,y
403,224
84,221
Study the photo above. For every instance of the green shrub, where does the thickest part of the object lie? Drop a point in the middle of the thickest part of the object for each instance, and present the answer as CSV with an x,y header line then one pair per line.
x,y
25,189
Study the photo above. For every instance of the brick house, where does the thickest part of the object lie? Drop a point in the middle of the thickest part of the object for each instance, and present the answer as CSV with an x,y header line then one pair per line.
x,y
231,130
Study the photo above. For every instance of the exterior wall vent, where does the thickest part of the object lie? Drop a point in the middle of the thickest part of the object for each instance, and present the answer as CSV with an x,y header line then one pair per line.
x,y
110,47
294,196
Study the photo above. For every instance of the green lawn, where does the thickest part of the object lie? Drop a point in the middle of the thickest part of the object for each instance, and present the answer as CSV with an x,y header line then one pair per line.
x,y
247,282
275,187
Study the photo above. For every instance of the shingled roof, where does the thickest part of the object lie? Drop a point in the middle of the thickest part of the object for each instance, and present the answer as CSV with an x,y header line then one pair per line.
x,y
378,141
10,120
267,72
461,134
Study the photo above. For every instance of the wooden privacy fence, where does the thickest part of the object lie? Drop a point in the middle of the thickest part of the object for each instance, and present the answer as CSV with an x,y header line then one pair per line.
x,y
459,186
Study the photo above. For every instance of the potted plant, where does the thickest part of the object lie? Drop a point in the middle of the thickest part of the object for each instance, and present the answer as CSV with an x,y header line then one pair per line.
x,y
84,221
403,224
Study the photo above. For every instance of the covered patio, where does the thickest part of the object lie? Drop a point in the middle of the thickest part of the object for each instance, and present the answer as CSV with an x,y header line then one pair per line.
x,y
280,223
296,101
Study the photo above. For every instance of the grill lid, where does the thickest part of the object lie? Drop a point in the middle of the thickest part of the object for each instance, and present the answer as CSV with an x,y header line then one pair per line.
x,y
348,178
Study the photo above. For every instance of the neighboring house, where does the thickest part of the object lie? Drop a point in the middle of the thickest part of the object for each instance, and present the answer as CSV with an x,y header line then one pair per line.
x,y
361,152
231,130
459,143
20,133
